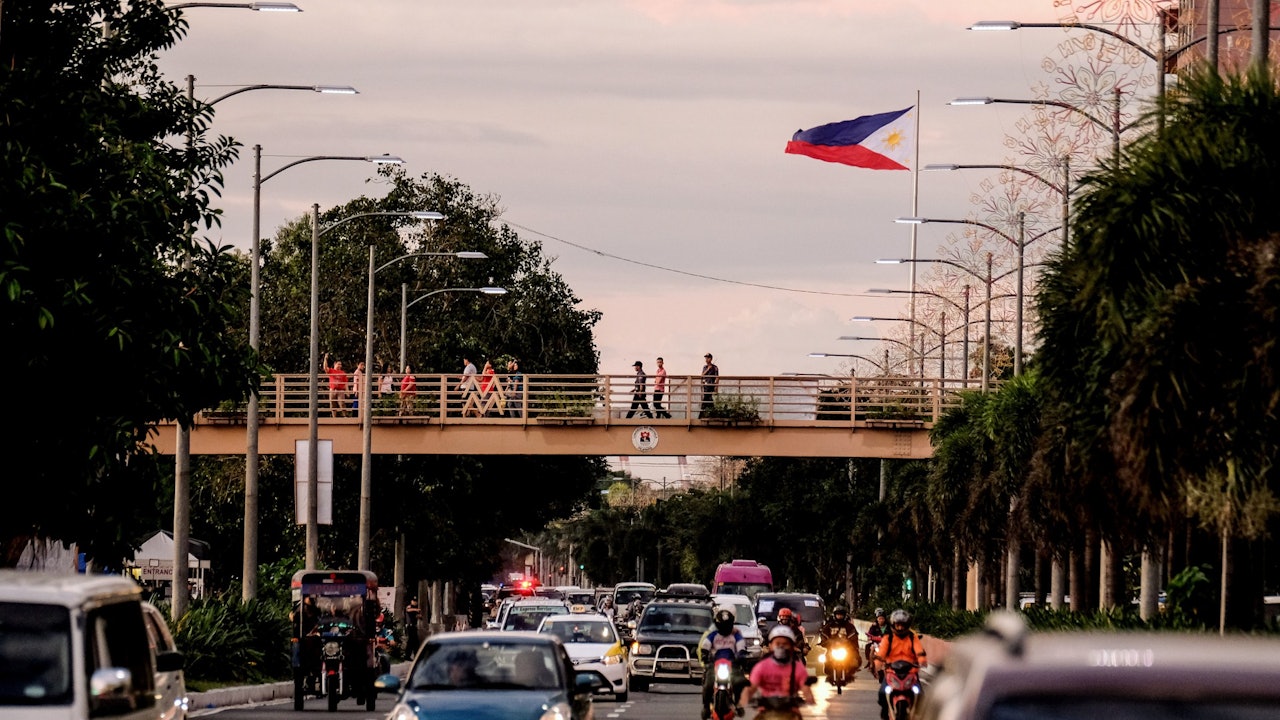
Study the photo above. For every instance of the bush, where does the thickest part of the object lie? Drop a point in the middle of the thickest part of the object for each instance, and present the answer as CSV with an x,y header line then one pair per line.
x,y
224,639
936,619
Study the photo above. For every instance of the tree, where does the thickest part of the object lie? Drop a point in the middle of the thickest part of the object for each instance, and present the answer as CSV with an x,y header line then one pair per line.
x,y
1160,318
113,317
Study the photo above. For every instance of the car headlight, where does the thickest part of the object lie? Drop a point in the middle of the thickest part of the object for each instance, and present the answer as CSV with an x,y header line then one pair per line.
x,y
641,649
755,641
402,711
611,659
559,711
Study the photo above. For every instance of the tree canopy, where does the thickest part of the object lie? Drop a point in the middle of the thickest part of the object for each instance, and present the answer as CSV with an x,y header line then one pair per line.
x,y
114,316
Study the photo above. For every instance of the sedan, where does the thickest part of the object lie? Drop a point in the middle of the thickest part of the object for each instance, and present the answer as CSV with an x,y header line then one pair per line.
x,y
594,646
478,675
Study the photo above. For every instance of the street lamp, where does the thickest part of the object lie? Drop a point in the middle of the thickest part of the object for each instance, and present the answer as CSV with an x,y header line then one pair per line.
x,y
942,335
250,569
1063,189
405,304
313,430
963,309
366,391
986,344
883,367
255,6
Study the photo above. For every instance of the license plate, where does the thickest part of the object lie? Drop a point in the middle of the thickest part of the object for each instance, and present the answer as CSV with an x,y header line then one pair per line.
x,y
671,666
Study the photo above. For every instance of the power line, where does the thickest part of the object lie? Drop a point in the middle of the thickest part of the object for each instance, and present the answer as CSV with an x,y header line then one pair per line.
x,y
677,271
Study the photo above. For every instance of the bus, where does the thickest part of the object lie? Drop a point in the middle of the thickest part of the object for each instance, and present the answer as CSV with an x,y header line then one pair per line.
x,y
743,577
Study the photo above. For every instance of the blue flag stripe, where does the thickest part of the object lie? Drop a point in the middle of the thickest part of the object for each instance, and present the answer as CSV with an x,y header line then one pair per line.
x,y
848,132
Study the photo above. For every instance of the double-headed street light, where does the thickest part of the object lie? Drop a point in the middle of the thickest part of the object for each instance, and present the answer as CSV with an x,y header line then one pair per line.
x,y
313,374
986,344
366,390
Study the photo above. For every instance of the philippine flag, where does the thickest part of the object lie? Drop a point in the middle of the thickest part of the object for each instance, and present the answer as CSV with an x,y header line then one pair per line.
x,y
879,142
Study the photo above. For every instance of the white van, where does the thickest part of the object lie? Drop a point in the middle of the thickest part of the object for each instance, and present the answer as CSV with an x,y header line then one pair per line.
x,y
74,647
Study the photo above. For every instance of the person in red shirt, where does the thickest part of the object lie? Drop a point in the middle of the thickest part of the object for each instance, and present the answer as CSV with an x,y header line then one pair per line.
x,y
781,678
408,391
337,387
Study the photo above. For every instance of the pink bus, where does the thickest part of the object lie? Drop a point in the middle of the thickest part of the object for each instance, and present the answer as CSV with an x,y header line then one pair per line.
x,y
743,577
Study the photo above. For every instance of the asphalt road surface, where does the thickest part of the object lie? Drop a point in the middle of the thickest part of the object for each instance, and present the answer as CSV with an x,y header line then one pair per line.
x,y
662,702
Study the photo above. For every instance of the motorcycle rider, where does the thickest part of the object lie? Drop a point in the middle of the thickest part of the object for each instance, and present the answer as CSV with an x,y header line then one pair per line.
x,y
782,674
790,619
723,640
901,643
875,634
385,641
832,628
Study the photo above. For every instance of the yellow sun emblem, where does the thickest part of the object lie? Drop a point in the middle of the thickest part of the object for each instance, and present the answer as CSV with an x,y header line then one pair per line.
x,y
894,139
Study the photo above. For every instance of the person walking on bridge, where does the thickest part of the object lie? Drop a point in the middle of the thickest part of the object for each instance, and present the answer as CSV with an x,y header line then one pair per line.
x,y
659,391
639,396
710,376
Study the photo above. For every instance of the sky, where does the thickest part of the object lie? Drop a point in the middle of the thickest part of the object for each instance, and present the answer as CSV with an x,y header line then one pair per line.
x,y
647,130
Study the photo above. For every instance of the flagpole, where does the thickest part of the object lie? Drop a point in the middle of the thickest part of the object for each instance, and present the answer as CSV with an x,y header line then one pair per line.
x,y
915,212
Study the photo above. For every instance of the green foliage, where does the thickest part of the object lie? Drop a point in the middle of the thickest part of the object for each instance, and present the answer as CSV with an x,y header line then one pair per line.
x,y
113,313
936,619
734,408
226,640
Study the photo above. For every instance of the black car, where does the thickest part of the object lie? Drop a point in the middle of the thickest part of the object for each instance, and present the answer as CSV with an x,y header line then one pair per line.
x,y
665,648
685,590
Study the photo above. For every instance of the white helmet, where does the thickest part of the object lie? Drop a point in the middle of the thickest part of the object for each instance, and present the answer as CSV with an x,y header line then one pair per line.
x,y
782,631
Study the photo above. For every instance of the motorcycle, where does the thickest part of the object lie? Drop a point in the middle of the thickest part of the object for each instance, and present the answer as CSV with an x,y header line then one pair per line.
x,y
902,688
332,657
723,703
870,651
785,707
839,660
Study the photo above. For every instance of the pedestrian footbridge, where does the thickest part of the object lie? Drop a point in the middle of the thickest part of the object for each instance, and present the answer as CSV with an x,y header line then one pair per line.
x,y
780,416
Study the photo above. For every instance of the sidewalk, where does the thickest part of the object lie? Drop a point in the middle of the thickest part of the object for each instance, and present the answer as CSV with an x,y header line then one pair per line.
x,y
209,702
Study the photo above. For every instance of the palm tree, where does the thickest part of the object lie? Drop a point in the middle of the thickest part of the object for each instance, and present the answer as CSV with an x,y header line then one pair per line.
x,y
1159,320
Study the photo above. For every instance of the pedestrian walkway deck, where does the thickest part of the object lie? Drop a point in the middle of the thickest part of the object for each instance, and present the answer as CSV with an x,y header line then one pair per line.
x,y
788,415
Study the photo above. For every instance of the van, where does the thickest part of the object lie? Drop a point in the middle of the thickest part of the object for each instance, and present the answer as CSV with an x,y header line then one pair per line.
x,y
742,577
75,646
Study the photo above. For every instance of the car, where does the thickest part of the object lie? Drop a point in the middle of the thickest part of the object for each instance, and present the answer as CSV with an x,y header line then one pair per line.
x,y
665,648
472,674
744,621
1007,671
685,590
526,614
76,646
594,646
627,592
581,597
808,606
171,684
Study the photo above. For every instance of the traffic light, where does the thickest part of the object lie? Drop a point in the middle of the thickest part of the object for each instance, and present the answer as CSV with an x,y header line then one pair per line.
x,y
561,569
910,584
581,566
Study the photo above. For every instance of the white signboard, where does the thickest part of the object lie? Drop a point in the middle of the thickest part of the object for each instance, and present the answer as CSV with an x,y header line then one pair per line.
x,y
324,480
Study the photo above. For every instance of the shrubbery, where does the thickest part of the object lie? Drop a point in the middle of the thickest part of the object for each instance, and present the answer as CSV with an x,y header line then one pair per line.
x,y
225,640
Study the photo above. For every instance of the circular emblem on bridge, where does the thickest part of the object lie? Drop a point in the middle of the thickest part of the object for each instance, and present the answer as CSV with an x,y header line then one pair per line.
x,y
644,438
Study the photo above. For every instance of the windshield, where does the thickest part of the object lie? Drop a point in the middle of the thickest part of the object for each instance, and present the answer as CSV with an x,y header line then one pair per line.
x,y
35,654
676,619
528,618
1075,708
809,608
625,597
744,615
751,590
487,665
581,631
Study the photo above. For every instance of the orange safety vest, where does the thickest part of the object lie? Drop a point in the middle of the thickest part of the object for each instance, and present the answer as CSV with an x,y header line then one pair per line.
x,y
912,651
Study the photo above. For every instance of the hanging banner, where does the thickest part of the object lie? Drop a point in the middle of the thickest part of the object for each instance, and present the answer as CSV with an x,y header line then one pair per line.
x,y
324,481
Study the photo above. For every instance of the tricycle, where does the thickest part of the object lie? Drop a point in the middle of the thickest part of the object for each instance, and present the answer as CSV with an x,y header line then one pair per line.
x,y
333,636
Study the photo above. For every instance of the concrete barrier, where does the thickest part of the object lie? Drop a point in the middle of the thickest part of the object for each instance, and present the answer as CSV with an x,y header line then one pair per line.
x,y
204,703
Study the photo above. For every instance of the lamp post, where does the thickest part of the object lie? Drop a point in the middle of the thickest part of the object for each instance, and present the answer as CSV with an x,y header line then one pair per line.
x,y
250,569
366,392
986,344
963,309
1063,189
927,328
883,367
255,6
1020,242
1114,127
405,304
313,378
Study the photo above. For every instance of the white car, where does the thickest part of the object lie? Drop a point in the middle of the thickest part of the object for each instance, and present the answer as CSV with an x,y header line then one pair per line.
x,y
594,646
527,613
744,621
171,686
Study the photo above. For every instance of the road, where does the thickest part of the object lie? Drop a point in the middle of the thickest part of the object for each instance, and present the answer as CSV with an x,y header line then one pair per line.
x,y
662,702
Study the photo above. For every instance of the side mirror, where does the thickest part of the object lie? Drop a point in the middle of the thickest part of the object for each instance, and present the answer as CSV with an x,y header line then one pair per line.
x,y
111,691
388,683
586,681
170,661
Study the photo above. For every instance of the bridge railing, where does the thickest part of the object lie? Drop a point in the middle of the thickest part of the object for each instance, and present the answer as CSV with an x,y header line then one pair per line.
x,y
606,399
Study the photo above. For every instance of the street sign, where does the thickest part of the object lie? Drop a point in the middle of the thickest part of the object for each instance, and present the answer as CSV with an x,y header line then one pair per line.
x,y
324,481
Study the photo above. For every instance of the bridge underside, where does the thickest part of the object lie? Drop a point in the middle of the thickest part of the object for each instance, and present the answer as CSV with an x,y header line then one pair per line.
x,y
801,440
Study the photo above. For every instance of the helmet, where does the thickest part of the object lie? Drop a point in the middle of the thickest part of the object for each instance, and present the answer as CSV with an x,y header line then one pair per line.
x,y
785,615
724,621
880,613
900,617
782,631
839,610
